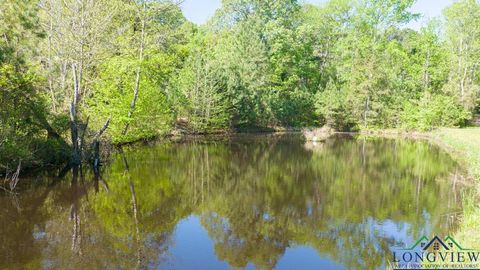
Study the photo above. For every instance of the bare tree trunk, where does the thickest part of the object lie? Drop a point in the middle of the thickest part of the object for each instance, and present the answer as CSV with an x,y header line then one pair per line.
x,y
15,177
137,229
462,85
137,235
426,78
82,138
74,214
365,113
63,76
73,118
139,68
96,146
50,66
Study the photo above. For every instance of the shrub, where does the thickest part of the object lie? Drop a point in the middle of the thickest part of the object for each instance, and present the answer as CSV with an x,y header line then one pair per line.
x,y
433,111
331,105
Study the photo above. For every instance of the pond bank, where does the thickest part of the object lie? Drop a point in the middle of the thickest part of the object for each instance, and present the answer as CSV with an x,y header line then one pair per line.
x,y
464,146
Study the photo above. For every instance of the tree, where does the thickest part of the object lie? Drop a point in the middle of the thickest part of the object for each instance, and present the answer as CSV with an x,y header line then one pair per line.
x,y
134,85
463,41
25,132
202,99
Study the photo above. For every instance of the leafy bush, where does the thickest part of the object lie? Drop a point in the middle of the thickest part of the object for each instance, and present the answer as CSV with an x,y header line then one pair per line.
x,y
201,100
22,123
434,111
295,108
331,105
114,92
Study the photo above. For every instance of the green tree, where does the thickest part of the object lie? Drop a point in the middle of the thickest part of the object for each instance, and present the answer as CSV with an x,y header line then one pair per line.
x,y
202,100
133,84
25,132
463,41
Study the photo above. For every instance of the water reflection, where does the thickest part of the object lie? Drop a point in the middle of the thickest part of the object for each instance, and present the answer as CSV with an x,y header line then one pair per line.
x,y
250,202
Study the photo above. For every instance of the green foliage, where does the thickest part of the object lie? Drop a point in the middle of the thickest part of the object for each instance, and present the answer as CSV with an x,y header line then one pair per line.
x,y
466,150
20,106
351,64
114,93
331,105
463,41
162,46
19,31
265,53
433,111
202,101
23,134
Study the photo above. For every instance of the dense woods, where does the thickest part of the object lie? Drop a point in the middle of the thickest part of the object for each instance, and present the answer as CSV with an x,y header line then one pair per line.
x,y
73,70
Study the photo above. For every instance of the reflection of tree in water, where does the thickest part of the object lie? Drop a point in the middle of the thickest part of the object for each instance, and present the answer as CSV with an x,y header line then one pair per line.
x,y
140,213
74,213
255,199
76,226
322,199
21,219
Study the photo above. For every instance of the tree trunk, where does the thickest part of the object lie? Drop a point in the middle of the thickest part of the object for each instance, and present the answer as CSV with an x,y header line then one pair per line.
x,y
462,85
137,235
74,213
137,79
96,146
73,119
426,78
365,113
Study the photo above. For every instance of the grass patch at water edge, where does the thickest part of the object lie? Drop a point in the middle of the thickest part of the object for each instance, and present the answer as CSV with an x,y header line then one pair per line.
x,y
464,146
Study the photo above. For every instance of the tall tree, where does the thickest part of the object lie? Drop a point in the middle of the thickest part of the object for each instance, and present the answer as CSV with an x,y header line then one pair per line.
x,y
463,41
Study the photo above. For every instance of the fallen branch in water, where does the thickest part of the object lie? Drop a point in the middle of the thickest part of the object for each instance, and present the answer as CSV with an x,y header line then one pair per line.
x,y
12,181
15,178
8,191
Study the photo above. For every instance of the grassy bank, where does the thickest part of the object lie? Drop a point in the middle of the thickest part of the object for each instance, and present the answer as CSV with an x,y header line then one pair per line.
x,y
464,146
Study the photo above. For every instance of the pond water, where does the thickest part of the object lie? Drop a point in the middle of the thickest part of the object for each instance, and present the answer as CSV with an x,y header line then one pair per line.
x,y
251,201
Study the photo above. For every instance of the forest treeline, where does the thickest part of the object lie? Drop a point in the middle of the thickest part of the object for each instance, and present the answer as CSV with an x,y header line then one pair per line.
x,y
139,69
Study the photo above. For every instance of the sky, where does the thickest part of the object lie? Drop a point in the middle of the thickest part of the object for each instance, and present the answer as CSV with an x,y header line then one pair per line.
x,y
198,11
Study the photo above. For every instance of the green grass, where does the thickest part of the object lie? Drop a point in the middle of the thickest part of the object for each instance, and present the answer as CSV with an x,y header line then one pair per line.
x,y
464,146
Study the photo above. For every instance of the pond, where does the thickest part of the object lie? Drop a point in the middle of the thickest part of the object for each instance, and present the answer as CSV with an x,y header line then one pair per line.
x,y
249,201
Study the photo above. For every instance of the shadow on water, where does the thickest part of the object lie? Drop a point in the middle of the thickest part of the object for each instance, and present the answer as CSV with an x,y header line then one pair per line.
x,y
245,202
